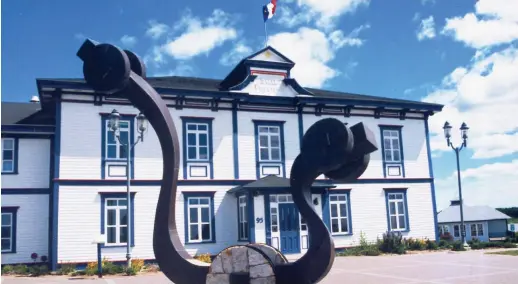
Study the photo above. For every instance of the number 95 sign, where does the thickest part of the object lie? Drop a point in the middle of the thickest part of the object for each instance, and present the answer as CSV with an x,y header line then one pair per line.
x,y
259,220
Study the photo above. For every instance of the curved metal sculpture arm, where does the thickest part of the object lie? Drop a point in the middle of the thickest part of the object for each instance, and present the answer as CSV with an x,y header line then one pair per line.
x,y
107,68
339,152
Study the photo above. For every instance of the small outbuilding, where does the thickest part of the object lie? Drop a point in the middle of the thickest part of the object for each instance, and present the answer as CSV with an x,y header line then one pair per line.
x,y
481,222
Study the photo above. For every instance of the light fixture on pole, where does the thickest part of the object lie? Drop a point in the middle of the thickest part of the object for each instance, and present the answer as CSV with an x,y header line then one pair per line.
x,y
464,135
114,125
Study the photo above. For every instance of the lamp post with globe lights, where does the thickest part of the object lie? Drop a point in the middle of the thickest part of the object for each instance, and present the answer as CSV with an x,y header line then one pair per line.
x,y
114,125
464,135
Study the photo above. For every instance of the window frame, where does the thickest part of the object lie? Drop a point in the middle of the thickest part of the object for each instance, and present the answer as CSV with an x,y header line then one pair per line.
x,y
401,162
459,230
212,216
476,229
13,212
281,163
15,150
105,196
404,199
326,210
105,161
243,209
338,202
187,120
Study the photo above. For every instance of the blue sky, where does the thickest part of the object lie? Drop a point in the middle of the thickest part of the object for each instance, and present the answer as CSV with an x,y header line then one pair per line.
x,y
457,53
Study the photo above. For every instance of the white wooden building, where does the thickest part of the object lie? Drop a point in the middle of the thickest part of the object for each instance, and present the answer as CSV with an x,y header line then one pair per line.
x,y
239,137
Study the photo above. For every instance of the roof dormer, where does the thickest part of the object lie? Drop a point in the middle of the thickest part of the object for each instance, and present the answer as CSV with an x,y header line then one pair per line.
x,y
264,73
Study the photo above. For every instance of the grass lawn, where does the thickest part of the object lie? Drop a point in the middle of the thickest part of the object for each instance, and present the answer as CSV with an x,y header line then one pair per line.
x,y
513,220
506,252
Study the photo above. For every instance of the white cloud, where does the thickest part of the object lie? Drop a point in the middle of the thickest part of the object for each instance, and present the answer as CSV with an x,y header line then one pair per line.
x,y
181,69
128,41
155,57
494,22
286,17
312,51
491,184
424,2
200,37
484,94
323,12
233,56
426,29
156,29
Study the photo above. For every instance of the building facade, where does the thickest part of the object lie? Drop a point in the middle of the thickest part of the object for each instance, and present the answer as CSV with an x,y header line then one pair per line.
x,y
239,137
480,222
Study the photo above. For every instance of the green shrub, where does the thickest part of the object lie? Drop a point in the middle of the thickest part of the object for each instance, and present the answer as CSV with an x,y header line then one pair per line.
x,y
431,245
457,246
8,269
38,270
66,268
415,244
445,244
392,242
21,269
112,268
204,257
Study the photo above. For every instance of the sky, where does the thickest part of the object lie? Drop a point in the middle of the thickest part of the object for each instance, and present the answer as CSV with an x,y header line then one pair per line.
x,y
462,54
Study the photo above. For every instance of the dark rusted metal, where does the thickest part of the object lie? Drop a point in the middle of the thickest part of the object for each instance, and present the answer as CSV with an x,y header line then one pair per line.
x,y
329,147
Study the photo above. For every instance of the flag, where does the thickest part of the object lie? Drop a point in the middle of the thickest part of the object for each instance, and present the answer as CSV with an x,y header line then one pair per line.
x,y
269,10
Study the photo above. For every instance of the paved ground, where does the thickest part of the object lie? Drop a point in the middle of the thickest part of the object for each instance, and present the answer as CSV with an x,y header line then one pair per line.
x,y
441,267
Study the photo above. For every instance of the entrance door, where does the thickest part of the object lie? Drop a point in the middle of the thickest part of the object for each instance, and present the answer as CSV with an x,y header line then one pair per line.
x,y
289,228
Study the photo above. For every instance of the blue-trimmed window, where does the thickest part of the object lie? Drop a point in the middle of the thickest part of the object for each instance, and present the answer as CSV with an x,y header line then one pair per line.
x,y
9,155
397,209
9,216
392,151
339,213
114,154
269,143
114,218
197,147
200,224
243,228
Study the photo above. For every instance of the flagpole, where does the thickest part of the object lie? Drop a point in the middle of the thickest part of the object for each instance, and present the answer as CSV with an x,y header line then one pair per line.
x,y
265,35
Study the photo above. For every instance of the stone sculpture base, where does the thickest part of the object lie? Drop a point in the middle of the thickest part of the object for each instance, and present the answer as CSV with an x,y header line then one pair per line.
x,y
251,264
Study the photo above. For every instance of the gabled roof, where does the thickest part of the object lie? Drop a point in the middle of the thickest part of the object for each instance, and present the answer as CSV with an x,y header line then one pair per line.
x,y
207,84
471,213
273,182
14,112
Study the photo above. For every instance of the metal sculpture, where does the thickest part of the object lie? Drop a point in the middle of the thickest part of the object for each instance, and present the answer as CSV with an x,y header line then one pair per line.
x,y
328,147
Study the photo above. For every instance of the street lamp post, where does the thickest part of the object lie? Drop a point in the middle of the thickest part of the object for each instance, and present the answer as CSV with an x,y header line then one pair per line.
x,y
114,126
464,135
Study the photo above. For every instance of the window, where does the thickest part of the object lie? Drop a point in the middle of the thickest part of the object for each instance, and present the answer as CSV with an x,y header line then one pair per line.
x,y
392,151
339,213
197,147
391,145
269,142
197,141
114,153
199,214
114,148
9,229
114,218
243,218
9,155
456,230
397,210
477,230
443,229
